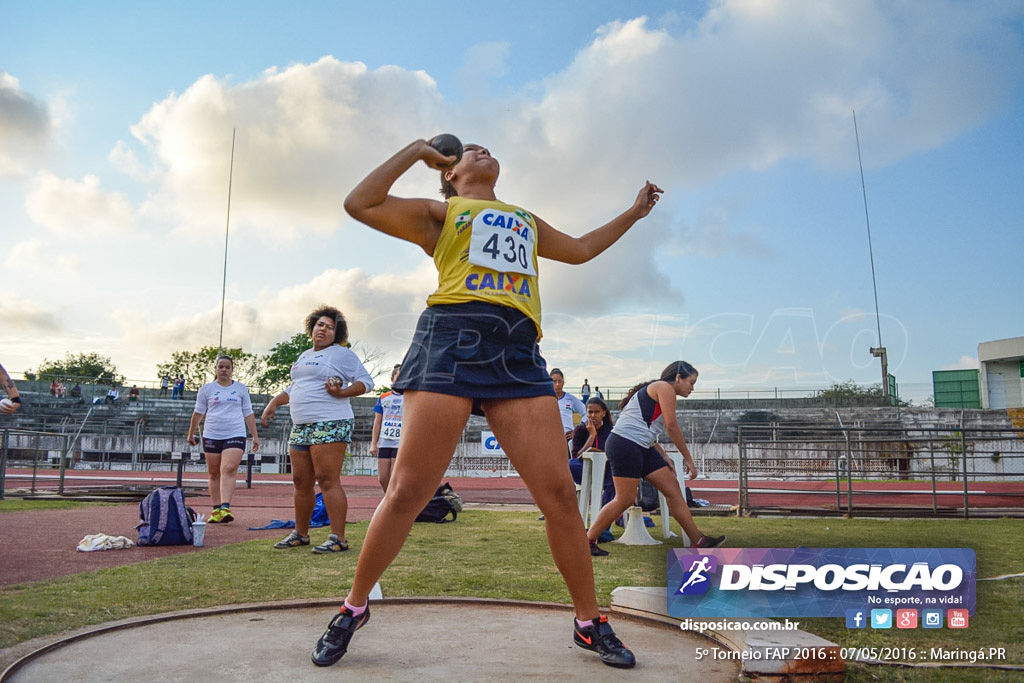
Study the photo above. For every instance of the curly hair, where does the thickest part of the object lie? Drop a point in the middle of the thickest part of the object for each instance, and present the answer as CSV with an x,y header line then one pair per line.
x,y
340,325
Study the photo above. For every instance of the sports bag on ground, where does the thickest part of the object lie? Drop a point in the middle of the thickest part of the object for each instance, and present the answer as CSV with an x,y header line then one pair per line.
x,y
647,497
445,502
166,520
319,517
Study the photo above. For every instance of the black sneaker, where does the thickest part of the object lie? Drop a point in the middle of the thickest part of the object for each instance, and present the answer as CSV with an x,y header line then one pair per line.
x,y
292,540
597,551
710,541
332,545
333,644
600,638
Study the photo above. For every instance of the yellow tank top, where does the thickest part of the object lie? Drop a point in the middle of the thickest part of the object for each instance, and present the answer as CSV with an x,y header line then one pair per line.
x,y
487,251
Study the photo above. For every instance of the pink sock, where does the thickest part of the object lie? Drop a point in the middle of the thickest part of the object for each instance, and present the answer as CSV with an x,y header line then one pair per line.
x,y
581,624
354,611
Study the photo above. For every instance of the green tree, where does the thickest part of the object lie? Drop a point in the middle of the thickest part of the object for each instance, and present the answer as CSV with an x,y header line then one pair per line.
x,y
849,392
82,367
198,367
842,391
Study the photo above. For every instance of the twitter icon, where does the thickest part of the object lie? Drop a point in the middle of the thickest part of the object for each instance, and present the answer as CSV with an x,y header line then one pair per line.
x,y
881,618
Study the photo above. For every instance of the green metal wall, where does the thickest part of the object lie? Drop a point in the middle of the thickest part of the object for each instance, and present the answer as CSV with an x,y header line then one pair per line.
x,y
956,388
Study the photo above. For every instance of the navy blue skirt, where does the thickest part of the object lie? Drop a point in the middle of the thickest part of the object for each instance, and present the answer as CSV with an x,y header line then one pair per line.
x,y
477,350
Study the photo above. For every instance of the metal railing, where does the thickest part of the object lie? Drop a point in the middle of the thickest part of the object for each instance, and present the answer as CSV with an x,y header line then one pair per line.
x,y
871,470
46,449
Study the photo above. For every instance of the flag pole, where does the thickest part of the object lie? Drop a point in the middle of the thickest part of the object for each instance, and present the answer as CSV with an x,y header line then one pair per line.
x,y
224,282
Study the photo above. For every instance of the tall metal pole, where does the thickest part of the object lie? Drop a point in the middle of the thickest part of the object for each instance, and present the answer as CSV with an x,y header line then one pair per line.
x,y
879,351
224,282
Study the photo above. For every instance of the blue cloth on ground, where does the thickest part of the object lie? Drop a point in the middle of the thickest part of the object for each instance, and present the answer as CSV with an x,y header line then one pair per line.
x,y
317,519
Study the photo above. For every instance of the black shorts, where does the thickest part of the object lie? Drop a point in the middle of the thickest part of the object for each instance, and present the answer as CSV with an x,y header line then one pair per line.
x,y
630,460
218,446
387,452
477,350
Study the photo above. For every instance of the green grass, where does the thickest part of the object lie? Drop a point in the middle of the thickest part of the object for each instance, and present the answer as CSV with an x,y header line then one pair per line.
x,y
504,555
18,504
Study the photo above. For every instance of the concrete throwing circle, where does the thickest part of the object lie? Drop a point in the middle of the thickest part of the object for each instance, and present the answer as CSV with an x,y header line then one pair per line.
x,y
404,641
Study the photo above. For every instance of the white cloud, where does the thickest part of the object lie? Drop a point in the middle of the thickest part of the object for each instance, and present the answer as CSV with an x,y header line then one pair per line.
x,y
78,208
965,363
304,136
25,128
33,256
381,311
24,319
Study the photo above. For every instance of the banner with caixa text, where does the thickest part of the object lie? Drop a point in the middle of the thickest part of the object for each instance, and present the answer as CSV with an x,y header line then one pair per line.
x,y
817,582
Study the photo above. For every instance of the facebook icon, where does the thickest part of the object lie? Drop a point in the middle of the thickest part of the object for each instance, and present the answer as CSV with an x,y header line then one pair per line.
x,y
856,618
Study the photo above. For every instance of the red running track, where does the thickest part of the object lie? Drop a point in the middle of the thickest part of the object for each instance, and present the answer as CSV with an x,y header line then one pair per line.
x,y
39,544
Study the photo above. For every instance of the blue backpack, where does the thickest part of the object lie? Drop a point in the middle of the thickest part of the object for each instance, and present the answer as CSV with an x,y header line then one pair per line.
x,y
165,518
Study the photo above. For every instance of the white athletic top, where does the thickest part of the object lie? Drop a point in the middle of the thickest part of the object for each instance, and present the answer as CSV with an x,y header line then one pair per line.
x,y
638,420
567,405
225,409
307,395
389,407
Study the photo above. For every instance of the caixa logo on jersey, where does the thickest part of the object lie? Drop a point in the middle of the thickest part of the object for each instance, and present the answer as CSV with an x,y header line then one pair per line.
x,y
816,582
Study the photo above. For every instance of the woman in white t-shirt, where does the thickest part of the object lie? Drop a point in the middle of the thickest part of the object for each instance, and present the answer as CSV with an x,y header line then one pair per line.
x,y
324,378
567,404
225,409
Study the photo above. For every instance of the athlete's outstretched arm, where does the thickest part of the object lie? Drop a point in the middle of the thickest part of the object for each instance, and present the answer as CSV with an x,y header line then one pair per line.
x,y
559,246
663,393
415,220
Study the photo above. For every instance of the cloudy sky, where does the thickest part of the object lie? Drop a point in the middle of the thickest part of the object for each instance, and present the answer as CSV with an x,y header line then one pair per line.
x,y
116,124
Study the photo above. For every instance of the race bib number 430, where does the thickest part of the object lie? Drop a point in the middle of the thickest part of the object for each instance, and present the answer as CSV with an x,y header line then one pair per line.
x,y
503,241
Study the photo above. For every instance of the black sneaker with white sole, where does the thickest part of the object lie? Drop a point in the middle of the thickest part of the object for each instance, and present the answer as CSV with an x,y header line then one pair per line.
x,y
710,541
333,644
600,638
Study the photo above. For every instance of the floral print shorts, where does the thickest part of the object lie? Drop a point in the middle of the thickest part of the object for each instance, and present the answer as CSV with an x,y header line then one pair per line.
x,y
330,431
